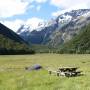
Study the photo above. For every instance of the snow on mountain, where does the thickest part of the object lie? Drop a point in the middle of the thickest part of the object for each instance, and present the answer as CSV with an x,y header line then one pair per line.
x,y
64,18
29,28
38,27
23,28
61,19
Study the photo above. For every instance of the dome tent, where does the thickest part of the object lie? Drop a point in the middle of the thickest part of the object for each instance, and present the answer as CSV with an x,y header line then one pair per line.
x,y
34,67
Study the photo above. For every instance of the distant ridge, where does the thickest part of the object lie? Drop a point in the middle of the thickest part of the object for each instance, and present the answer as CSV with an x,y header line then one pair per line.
x,y
10,34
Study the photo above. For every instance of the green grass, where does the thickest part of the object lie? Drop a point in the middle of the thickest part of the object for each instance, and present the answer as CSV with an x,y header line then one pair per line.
x,y
14,77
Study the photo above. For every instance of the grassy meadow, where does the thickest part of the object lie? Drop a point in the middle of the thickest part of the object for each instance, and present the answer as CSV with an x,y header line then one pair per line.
x,y
13,75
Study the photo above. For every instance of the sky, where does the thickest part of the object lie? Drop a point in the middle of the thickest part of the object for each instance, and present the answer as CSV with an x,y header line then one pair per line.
x,y
14,13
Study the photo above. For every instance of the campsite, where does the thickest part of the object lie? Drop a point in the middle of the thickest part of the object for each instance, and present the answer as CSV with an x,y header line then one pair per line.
x,y
13,75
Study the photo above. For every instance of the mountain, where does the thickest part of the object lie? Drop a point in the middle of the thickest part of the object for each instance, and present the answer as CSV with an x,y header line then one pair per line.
x,y
40,34
57,31
79,44
80,19
11,43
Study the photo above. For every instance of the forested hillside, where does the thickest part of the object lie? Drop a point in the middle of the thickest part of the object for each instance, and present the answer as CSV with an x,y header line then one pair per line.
x,y
79,44
11,43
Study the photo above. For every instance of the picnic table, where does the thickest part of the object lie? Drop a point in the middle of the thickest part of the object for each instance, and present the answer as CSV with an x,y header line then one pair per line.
x,y
66,71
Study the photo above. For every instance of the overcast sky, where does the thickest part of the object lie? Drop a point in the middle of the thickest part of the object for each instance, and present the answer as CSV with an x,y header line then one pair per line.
x,y
14,13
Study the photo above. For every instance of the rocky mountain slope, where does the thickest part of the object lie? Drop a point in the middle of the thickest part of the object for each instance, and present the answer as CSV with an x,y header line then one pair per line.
x,y
79,44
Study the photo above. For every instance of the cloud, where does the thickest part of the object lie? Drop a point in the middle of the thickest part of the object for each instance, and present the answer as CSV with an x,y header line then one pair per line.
x,y
38,8
37,1
31,6
15,25
68,5
9,8
40,1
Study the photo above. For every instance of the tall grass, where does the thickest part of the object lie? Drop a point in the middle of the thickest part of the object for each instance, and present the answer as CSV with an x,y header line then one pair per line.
x,y
13,76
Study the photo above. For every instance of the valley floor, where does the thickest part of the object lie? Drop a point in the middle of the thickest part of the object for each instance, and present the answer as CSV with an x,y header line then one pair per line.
x,y
13,75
